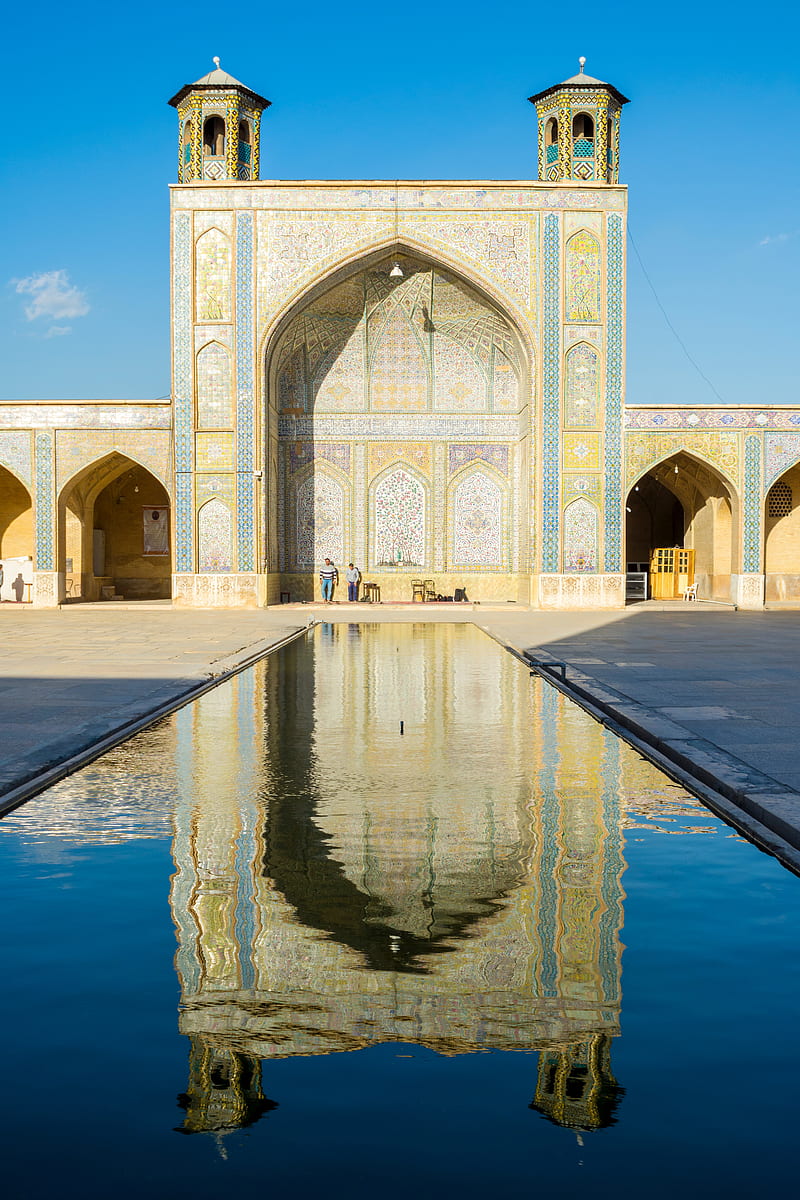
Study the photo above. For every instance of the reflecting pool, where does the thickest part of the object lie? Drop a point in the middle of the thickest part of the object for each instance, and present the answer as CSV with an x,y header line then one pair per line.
x,y
397,869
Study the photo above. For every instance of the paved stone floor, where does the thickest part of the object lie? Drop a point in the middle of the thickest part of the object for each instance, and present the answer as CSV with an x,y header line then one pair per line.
x,y
722,677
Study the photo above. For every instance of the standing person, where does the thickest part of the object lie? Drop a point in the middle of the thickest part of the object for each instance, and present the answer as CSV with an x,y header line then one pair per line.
x,y
328,576
353,576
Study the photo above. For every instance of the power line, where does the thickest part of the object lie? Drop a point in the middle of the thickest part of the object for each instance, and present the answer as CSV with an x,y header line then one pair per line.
x,y
674,331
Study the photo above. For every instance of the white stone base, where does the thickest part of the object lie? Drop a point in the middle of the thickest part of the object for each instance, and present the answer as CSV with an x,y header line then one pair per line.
x,y
748,590
581,591
216,591
48,589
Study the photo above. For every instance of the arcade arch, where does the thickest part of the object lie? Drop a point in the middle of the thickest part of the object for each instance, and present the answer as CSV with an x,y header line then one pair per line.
x,y
683,501
782,537
114,532
16,533
392,362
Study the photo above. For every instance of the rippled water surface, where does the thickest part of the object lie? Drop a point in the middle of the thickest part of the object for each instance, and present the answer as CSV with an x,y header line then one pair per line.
x,y
274,943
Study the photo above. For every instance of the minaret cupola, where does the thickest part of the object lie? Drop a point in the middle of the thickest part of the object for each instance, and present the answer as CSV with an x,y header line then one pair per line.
x,y
219,128
579,129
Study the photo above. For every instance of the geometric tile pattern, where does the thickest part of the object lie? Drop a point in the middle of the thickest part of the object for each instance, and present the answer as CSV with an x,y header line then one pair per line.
x,y
615,308
751,557
245,414
550,396
215,537
182,391
45,556
460,455
320,514
15,453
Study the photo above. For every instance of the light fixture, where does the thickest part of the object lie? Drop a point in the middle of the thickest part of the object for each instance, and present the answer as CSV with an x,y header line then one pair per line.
x,y
676,468
136,488
396,271
627,509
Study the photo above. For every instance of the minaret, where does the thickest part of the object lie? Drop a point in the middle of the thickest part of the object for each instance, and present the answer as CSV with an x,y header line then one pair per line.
x,y
219,128
579,129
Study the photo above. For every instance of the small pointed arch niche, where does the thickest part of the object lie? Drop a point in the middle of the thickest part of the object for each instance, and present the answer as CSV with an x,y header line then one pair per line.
x,y
583,277
399,513
215,537
582,387
213,276
214,387
478,511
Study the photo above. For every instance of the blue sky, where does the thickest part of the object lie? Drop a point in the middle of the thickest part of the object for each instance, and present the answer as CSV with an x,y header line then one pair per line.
x,y
709,151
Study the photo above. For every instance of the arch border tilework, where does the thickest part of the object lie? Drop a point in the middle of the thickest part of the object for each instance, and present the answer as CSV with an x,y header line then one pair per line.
x,y
551,392
95,462
615,281
679,446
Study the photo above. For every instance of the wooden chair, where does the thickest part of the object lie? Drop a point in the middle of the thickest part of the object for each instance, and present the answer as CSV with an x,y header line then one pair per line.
x,y
429,589
417,590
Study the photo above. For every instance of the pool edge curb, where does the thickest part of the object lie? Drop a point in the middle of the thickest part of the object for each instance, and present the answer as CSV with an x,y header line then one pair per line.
x,y
40,781
754,813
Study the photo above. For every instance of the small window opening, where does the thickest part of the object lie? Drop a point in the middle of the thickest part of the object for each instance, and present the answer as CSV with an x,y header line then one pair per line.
x,y
779,500
214,137
582,126
551,132
244,132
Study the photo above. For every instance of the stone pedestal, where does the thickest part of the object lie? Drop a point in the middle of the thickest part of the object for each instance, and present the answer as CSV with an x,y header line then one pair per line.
x,y
581,591
48,589
216,591
748,590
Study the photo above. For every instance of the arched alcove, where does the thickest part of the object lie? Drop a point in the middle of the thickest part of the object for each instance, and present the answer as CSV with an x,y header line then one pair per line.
x,y
359,379
685,502
17,536
782,537
114,532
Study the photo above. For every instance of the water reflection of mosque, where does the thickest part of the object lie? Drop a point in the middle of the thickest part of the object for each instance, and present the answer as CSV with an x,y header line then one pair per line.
x,y
337,887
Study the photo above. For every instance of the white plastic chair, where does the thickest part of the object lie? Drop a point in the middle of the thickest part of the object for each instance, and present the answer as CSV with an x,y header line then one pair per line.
x,y
690,593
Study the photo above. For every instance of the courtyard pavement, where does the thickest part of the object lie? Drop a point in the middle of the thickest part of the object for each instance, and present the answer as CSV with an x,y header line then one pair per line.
x,y
711,691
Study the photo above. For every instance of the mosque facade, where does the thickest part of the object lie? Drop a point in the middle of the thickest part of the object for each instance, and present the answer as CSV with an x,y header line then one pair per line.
x,y
424,378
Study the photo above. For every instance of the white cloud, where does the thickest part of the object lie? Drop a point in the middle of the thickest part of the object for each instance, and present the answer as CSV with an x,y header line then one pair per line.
x,y
58,330
776,238
54,298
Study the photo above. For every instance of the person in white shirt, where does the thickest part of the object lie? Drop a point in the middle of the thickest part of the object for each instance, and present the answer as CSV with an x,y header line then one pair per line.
x,y
328,576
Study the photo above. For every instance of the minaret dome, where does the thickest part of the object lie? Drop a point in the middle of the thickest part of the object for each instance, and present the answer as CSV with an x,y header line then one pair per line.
x,y
579,129
219,128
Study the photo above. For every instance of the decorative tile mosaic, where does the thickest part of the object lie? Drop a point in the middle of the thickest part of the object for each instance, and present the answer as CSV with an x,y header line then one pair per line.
x,y
399,373
215,537
477,522
582,278
580,536
218,219
707,417
551,394
303,453
466,452
382,454
15,454
581,451
304,197
182,388
320,521
214,451
127,414
582,333
427,340
399,520
151,448
644,450
498,249
376,426
43,503
301,244
213,268
245,409
588,486
582,387
781,451
205,334
214,388
223,487
752,506
615,319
